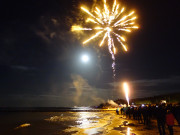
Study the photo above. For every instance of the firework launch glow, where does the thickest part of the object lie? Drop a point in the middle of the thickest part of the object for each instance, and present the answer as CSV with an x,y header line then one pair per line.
x,y
126,89
109,24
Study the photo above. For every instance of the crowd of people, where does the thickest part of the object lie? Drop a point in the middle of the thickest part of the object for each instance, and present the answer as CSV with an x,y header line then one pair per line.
x,y
164,114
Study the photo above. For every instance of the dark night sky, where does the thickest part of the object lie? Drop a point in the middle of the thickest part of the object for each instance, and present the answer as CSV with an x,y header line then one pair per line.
x,y
40,58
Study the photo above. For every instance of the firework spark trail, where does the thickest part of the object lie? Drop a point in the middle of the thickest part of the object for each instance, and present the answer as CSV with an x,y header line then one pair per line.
x,y
107,22
96,35
76,28
126,89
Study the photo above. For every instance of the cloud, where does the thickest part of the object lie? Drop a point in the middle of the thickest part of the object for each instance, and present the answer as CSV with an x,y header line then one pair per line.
x,y
111,102
150,87
52,29
55,21
83,91
152,82
21,67
78,83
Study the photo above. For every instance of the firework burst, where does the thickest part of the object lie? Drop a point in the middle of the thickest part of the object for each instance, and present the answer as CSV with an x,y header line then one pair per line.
x,y
109,24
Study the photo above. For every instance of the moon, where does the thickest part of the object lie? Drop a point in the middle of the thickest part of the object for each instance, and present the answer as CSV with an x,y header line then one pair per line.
x,y
85,58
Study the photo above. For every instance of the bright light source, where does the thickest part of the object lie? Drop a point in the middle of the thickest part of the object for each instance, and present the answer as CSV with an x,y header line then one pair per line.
x,y
126,89
85,58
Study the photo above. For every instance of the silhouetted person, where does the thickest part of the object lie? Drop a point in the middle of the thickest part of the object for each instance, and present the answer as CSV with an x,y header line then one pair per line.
x,y
127,112
122,110
161,119
130,112
149,110
135,113
176,113
170,121
145,115
117,111
139,117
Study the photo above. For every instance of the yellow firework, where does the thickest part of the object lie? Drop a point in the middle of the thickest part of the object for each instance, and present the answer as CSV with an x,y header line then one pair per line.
x,y
109,24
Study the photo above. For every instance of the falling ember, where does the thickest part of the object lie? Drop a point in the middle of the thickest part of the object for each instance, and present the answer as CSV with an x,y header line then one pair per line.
x,y
109,24
78,28
126,89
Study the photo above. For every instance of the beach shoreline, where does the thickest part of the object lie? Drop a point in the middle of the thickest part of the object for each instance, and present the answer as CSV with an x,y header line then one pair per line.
x,y
75,123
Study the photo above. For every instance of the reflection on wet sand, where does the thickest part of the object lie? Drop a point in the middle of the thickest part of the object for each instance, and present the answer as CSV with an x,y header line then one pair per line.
x,y
101,123
90,123
23,125
87,120
128,131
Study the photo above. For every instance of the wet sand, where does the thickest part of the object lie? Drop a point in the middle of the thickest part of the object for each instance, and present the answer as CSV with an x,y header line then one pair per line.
x,y
109,123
